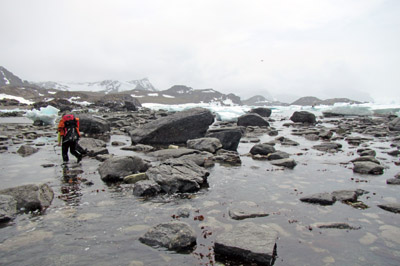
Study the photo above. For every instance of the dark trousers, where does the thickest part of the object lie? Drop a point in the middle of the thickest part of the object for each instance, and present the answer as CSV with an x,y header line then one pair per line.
x,y
70,145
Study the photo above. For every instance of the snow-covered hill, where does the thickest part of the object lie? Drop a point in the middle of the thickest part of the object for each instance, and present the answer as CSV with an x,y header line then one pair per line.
x,y
107,86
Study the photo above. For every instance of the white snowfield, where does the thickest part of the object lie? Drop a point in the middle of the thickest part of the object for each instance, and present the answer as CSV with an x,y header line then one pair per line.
x,y
20,99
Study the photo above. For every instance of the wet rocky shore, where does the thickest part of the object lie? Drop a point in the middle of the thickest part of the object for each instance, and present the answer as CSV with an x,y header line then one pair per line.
x,y
159,188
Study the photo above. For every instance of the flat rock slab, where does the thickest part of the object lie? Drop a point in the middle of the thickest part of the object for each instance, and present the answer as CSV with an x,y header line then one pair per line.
x,y
393,181
241,214
247,242
175,235
320,198
345,226
26,150
172,153
8,208
391,207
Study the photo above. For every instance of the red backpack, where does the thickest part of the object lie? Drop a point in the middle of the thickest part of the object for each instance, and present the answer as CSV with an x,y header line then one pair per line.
x,y
70,124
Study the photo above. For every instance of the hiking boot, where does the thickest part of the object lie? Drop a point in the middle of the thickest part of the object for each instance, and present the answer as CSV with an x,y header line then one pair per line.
x,y
79,159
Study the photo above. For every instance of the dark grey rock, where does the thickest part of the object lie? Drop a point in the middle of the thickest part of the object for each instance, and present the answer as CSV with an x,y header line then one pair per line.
x,y
146,188
346,195
366,159
394,153
26,150
139,147
178,176
368,168
229,137
393,181
320,198
366,152
8,208
174,129
345,226
228,157
204,144
93,125
238,213
303,117
328,146
287,162
262,111
116,168
325,134
262,149
93,146
287,142
178,236
312,137
278,155
391,207
203,159
248,243
394,125
31,197
252,119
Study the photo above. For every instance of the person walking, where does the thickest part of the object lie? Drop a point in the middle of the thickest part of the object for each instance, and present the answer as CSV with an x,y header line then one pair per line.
x,y
68,136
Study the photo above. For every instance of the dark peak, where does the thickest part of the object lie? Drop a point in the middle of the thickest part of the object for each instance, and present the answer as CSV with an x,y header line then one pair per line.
x,y
8,78
179,89
307,100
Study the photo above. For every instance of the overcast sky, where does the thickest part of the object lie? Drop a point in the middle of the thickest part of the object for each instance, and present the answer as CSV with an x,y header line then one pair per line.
x,y
323,48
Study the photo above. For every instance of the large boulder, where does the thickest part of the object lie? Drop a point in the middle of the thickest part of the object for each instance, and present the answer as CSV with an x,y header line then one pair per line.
x,y
93,125
286,162
252,119
229,137
303,117
146,188
249,243
394,125
204,144
177,236
178,176
31,197
8,208
262,111
174,129
116,168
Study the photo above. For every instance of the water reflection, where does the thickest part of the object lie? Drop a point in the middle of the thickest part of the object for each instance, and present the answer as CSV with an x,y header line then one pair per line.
x,y
71,186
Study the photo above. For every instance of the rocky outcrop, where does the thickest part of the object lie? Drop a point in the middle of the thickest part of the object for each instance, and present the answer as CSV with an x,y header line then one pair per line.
x,y
146,188
174,129
177,236
229,137
252,119
178,176
303,117
116,168
204,144
31,197
249,243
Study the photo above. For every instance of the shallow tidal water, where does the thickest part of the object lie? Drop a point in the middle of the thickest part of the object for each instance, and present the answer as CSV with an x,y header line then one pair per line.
x,y
96,224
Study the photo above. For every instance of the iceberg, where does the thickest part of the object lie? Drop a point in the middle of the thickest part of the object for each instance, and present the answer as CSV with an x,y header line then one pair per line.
x,y
47,115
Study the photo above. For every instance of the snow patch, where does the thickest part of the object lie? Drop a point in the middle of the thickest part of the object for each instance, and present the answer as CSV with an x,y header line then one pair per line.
x,y
152,94
20,99
168,96
52,92
137,96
